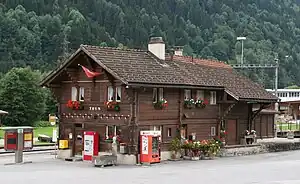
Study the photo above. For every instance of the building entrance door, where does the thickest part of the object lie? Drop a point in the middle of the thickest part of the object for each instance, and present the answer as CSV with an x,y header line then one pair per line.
x,y
78,140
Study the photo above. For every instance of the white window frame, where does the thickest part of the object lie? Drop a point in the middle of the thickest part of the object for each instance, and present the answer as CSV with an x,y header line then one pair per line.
x,y
110,93
212,131
200,95
160,93
81,93
154,95
74,92
118,91
213,98
158,128
187,94
169,133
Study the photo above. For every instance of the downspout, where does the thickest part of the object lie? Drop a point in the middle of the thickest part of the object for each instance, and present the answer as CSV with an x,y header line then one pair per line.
x,y
135,127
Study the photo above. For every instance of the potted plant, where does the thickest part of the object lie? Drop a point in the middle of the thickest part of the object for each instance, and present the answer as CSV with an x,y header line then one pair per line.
x,y
223,134
175,148
196,150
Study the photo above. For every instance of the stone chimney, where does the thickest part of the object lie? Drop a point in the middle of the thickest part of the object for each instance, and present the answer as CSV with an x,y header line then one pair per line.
x,y
178,51
156,46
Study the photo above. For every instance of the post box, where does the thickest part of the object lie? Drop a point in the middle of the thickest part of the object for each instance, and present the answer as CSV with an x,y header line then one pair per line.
x,y
90,145
11,137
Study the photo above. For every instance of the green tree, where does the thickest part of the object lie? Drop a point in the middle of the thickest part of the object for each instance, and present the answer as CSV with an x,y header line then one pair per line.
x,y
22,97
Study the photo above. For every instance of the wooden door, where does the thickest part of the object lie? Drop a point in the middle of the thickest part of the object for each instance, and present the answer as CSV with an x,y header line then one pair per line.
x,y
78,139
231,129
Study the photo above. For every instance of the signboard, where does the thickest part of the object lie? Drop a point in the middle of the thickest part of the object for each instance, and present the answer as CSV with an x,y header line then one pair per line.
x,y
52,119
88,145
145,145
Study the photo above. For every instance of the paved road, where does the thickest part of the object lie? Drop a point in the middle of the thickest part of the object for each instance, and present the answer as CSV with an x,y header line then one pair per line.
x,y
275,168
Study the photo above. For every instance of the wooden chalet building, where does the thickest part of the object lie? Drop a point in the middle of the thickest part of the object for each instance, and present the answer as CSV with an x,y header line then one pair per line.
x,y
126,94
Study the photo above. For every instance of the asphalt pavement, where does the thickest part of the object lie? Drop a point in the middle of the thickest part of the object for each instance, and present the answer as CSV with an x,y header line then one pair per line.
x,y
273,168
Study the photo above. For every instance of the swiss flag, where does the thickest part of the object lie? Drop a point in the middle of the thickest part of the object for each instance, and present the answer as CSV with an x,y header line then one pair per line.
x,y
89,73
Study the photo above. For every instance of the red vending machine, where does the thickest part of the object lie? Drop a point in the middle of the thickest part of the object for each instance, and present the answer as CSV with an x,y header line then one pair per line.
x,y
150,146
90,145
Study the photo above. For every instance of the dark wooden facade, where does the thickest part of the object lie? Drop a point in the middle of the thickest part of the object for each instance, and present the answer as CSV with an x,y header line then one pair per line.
x,y
137,111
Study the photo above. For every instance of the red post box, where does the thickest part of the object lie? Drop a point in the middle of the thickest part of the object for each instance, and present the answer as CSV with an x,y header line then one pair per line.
x,y
150,146
90,145
10,141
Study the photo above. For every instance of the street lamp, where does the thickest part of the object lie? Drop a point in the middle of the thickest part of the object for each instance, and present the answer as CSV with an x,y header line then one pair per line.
x,y
242,55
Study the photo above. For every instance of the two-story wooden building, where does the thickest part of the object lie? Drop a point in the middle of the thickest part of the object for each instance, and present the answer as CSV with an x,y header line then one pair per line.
x,y
137,90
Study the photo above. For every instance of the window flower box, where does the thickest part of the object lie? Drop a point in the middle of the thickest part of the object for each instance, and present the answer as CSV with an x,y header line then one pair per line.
x,y
161,104
201,103
113,106
189,103
75,105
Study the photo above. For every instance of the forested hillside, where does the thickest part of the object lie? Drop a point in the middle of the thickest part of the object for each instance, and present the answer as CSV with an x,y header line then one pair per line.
x,y
37,32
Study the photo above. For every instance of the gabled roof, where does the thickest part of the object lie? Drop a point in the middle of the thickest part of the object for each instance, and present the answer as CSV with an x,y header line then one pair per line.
x,y
135,67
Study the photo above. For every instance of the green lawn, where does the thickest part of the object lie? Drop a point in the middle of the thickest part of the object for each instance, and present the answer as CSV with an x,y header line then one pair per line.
x,y
36,131
287,126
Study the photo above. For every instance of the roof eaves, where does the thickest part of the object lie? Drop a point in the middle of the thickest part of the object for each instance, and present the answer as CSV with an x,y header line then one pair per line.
x,y
57,71
231,94
102,65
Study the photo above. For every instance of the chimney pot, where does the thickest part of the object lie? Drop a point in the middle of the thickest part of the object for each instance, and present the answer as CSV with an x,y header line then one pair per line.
x,y
156,46
178,51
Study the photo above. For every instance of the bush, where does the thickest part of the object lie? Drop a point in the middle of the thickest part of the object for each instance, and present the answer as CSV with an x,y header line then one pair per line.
x,y
42,124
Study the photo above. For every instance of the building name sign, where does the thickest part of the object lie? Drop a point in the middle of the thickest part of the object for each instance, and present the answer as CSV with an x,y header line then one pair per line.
x,y
95,108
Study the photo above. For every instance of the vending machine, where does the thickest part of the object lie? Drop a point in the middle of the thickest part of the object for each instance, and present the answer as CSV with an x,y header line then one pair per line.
x,y
90,145
150,146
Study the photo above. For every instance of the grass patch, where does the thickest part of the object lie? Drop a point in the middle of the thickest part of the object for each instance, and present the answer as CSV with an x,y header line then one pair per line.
x,y
288,126
36,131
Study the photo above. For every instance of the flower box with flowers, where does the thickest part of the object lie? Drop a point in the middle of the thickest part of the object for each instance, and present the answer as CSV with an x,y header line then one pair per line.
x,y
201,103
189,103
113,106
161,104
75,105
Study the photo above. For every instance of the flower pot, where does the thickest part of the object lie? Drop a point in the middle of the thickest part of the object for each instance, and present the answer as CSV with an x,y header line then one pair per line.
x,y
195,158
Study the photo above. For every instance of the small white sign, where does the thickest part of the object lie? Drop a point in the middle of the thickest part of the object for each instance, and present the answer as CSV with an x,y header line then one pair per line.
x,y
88,145
144,145
54,135
27,144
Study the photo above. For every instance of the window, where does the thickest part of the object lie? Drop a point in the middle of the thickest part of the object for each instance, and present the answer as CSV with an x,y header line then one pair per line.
x,y
200,95
81,94
213,131
160,93
154,97
157,128
74,94
187,94
169,132
213,98
110,93
118,93
112,131
157,94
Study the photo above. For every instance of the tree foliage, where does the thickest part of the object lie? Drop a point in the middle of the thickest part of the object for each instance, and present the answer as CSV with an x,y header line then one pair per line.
x,y
37,32
21,96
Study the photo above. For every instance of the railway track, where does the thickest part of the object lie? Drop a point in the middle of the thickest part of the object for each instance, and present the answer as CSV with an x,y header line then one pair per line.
x,y
36,148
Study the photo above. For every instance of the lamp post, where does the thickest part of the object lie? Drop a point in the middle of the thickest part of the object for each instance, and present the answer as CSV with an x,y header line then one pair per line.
x,y
242,55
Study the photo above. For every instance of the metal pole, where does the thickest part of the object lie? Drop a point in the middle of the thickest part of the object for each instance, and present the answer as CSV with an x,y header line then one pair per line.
x,y
242,55
19,151
276,76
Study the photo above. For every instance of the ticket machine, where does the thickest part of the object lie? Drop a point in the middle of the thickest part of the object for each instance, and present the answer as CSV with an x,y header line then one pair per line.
x,y
150,146
90,145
